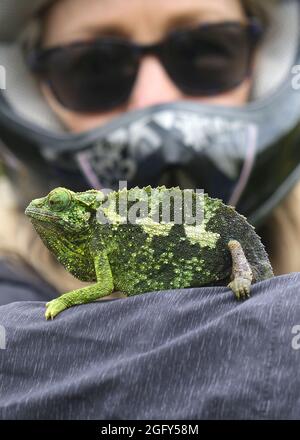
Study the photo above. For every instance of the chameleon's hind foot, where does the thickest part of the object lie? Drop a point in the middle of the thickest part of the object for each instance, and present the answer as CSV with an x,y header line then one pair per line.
x,y
242,274
240,287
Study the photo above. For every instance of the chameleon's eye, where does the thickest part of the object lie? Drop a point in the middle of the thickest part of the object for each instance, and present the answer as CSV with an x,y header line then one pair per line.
x,y
59,199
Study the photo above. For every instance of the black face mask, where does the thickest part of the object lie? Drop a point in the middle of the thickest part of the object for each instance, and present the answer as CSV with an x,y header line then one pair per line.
x,y
174,148
249,156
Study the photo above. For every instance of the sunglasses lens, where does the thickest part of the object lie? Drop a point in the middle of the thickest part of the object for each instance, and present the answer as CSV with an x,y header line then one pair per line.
x,y
91,78
209,60
99,76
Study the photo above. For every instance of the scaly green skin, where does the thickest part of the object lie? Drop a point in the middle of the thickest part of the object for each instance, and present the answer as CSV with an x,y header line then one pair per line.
x,y
149,255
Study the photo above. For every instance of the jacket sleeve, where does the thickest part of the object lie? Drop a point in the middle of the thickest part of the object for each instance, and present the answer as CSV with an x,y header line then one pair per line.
x,y
181,354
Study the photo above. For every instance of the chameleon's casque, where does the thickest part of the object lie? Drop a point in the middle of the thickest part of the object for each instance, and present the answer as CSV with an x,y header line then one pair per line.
x,y
137,251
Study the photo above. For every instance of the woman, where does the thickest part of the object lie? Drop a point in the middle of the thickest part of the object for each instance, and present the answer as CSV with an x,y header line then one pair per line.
x,y
152,85
122,113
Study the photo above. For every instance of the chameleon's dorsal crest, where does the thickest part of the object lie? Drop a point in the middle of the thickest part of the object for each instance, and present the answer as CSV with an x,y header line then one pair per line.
x,y
91,199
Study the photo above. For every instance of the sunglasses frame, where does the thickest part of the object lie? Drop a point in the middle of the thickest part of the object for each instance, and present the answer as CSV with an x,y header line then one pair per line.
x,y
38,58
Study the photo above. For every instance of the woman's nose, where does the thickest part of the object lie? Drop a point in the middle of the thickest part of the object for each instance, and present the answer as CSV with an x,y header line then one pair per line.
x,y
152,86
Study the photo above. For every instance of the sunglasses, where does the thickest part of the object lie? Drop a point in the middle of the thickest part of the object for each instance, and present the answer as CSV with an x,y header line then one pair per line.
x,y
99,75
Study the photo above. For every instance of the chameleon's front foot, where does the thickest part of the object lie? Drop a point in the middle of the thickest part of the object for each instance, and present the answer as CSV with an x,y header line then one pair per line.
x,y
54,307
79,296
240,287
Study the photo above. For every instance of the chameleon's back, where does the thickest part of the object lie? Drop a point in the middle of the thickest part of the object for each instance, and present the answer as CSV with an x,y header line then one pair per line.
x,y
235,226
149,256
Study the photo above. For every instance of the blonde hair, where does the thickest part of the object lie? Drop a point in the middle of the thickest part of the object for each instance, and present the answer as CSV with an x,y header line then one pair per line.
x,y
281,234
257,8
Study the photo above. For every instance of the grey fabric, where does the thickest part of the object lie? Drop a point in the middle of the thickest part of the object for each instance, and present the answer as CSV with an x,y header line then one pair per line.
x,y
188,354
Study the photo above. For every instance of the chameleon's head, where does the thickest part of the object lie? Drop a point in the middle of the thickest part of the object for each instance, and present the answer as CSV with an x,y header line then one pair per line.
x,y
65,211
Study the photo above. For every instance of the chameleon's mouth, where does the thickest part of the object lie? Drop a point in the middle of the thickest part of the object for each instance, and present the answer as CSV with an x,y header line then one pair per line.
x,y
41,215
44,219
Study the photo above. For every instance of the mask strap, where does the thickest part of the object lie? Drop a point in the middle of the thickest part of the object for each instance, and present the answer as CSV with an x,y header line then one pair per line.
x,y
87,171
247,166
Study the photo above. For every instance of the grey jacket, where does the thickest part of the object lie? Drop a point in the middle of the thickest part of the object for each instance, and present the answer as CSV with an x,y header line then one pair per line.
x,y
180,354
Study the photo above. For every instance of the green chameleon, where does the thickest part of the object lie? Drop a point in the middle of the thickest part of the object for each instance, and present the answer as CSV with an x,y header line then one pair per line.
x,y
93,240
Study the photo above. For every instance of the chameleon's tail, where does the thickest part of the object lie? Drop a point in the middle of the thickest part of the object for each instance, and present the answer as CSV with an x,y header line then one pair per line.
x,y
262,272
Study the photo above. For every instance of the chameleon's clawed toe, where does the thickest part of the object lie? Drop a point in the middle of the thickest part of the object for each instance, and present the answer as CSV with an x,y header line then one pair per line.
x,y
240,287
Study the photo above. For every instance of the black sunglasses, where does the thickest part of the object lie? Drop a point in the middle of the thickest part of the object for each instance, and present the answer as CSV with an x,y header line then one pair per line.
x,y
99,75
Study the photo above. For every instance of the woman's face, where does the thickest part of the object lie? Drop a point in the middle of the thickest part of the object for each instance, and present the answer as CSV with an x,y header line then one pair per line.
x,y
145,22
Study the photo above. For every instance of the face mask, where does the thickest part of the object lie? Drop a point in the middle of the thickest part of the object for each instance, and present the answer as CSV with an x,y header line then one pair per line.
x,y
241,155
174,146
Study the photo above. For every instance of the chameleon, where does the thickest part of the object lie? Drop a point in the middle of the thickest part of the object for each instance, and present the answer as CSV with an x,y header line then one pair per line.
x,y
95,242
